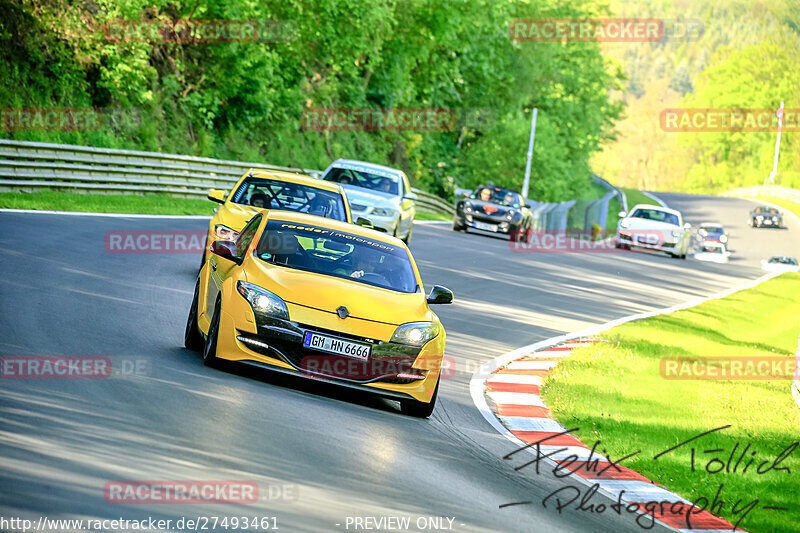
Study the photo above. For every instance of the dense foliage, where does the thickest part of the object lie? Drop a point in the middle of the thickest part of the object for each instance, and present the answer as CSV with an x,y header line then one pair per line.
x,y
745,57
245,100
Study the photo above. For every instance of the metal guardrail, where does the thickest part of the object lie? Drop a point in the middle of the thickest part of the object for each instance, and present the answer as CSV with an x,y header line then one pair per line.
x,y
27,166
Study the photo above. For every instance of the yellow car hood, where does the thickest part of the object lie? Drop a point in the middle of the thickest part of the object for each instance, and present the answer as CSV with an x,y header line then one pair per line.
x,y
235,216
328,293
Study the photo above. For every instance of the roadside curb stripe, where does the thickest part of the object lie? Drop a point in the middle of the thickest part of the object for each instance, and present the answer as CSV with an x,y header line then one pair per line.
x,y
511,382
533,423
515,378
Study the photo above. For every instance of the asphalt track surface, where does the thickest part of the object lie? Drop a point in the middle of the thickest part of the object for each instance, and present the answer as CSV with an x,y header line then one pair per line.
x,y
336,453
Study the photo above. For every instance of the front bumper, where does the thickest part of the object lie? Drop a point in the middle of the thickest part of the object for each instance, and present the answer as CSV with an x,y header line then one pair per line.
x,y
499,225
767,222
386,224
665,245
392,370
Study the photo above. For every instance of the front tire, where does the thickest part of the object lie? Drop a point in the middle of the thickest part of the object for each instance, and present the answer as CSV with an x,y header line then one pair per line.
x,y
419,409
210,349
191,336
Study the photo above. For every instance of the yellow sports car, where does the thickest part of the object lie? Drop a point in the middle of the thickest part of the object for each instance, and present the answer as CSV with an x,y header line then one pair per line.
x,y
273,189
323,299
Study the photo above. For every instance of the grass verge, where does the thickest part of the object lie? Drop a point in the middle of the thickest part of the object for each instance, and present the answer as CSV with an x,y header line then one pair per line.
x,y
789,205
426,215
155,204
615,393
635,196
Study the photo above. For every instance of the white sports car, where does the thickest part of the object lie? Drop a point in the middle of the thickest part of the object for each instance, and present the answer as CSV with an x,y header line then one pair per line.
x,y
380,194
780,263
712,251
656,228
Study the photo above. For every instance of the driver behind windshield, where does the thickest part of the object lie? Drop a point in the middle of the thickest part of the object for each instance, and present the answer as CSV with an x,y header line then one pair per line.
x,y
386,185
259,200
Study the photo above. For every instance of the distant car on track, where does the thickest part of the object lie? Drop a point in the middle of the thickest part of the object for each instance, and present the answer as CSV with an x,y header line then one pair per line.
x,y
712,231
712,251
494,209
655,228
320,298
765,217
272,189
380,194
780,263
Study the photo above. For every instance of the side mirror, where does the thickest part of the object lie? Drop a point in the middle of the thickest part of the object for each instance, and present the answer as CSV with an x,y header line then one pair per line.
x,y
410,195
622,214
440,295
530,204
687,226
215,195
315,174
226,249
361,221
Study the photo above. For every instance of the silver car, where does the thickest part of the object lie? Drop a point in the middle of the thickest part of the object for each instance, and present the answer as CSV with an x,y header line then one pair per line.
x,y
380,194
656,228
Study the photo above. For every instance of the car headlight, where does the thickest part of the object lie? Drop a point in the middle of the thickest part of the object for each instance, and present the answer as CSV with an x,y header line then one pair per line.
x,y
383,212
262,301
723,238
415,333
676,233
624,224
468,207
225,233
511,214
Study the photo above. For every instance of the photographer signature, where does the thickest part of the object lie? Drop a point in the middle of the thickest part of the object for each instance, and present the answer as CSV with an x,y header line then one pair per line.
x,y
715,460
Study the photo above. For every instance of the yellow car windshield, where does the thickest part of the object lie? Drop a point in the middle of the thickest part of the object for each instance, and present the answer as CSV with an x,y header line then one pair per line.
x,y
266,193
339,254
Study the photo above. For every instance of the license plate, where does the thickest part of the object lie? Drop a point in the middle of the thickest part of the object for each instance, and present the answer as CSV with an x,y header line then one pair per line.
x,y
324,343
767,221
486,227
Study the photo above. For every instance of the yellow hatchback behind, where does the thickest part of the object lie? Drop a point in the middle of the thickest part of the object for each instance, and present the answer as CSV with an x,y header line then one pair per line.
x,y
273,189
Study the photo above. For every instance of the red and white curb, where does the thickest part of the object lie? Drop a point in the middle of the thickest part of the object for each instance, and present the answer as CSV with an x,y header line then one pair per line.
x,y
513,391
511,384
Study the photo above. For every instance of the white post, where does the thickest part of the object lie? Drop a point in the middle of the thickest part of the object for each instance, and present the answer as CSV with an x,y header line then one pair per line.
x,y
526,182
777,147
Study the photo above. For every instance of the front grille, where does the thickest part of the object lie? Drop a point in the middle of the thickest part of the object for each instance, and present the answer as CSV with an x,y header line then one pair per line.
x,y
385,362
